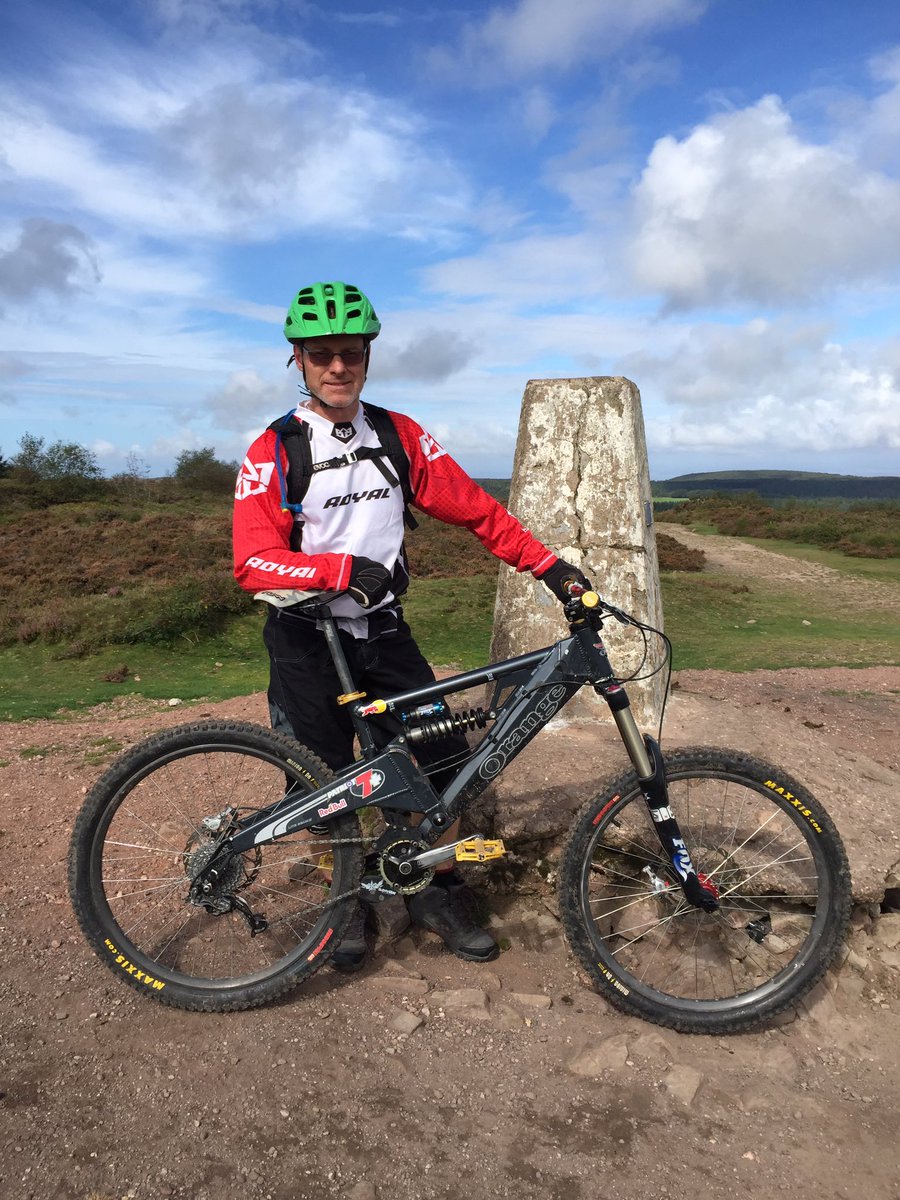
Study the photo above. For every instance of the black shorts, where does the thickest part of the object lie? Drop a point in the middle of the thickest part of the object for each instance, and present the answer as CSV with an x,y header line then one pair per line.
x,y
304,686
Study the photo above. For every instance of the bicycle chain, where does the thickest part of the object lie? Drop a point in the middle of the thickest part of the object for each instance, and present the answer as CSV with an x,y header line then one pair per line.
x,y
360,841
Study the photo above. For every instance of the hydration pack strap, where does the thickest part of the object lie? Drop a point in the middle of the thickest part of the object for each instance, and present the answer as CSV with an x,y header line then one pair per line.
x,y
377,454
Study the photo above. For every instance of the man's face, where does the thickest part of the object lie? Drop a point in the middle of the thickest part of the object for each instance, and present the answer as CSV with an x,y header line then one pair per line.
x,y
329,378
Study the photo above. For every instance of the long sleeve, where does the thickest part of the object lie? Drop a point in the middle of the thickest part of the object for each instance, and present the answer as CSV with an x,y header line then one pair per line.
x,y
442,489
262,530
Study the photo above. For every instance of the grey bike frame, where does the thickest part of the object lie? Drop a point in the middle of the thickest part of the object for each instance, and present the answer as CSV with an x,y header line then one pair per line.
x,y
543,682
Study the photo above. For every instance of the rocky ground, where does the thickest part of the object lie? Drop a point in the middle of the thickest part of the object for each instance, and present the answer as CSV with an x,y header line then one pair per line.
x,y
426,1076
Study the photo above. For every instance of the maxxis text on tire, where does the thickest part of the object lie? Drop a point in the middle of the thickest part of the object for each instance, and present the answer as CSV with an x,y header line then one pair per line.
x,y
765,844
149,820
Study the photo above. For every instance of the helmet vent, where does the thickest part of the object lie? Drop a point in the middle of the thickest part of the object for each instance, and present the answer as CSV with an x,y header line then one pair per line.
x,y
331,308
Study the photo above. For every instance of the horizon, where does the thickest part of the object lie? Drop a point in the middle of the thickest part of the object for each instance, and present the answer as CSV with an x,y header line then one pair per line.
x,y
697,195
721,473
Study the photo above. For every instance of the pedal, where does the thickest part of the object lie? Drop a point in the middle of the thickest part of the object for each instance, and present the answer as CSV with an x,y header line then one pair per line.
x,y
479,850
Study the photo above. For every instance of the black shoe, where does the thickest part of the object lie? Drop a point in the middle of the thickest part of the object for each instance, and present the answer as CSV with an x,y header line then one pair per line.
x,y
441,907
351,951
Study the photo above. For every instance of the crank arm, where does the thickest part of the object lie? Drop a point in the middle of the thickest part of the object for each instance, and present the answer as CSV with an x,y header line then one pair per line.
x,y
473,849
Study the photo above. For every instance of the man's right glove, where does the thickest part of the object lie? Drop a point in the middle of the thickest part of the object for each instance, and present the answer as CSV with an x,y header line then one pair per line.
x,y
561,574
369,582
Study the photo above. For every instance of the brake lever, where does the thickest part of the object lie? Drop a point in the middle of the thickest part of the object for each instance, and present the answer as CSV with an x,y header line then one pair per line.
x,y
595,605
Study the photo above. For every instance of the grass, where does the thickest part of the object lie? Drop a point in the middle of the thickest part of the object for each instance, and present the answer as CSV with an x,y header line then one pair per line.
x,y
101,750
452,619
35,683
715,621
726,623
885,570
863,530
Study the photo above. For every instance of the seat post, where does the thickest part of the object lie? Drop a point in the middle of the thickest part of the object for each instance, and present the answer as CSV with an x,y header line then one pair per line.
x,y
339,658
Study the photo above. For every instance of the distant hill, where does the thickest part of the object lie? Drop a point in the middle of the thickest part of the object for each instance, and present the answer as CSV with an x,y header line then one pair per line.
x,y
498,488
774,485
801,485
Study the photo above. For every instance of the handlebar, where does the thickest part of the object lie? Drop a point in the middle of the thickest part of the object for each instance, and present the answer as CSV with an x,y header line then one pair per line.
x,y
584,598
580,599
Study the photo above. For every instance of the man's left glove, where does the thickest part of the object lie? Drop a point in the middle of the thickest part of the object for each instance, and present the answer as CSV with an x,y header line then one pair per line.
x,y
560,575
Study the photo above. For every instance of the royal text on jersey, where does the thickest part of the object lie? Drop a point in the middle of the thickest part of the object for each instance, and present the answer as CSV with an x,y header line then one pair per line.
x,y
356,497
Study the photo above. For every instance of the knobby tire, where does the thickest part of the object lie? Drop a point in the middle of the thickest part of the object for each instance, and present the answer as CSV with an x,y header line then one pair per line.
x,y
773,855
140,833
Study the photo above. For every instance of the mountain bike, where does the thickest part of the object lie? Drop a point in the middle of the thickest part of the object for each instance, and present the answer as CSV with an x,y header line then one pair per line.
x,y
217,864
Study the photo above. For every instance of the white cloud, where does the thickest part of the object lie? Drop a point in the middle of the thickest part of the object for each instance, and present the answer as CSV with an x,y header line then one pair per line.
x,y
744,209
534,36
538,111
774,385
540,268
877,136
206,15
47,256
388,18
129,272
249,402
430,356
189,152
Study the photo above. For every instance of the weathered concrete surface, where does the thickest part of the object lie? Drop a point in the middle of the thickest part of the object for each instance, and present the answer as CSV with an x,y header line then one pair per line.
x,y
582,485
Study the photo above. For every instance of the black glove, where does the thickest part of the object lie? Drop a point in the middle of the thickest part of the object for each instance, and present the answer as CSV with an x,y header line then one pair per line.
x,y
369,582
561,574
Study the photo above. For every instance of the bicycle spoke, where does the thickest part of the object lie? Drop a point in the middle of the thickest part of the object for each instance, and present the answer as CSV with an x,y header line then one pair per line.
x,y
162,835
674,961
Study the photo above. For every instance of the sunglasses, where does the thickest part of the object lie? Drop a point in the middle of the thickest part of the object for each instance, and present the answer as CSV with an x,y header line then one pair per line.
x,y
324,358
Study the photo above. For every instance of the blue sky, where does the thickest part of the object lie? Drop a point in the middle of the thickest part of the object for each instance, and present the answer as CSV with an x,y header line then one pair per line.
x,y
702,195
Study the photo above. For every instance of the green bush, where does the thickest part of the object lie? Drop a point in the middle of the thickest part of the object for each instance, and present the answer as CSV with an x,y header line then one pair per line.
x,y
194,608
201,471
865,530
61,473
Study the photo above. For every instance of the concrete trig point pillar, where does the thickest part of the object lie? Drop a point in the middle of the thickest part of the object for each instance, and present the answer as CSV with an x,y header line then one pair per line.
x,y
581,484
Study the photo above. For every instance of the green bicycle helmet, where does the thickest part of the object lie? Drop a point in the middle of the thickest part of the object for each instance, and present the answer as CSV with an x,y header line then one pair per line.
x,y
326,308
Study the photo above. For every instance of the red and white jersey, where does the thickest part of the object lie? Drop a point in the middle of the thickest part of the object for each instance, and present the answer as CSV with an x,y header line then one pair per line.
x,y
352,510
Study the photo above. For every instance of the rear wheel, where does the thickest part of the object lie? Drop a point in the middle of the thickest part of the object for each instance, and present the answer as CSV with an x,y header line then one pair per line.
x,y
773,856
153,820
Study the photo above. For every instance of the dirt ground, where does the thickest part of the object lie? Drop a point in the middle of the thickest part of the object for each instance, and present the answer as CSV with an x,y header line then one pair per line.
x,y
423,1075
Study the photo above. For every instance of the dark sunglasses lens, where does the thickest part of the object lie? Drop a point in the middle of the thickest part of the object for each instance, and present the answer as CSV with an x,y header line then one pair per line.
x,y
323,358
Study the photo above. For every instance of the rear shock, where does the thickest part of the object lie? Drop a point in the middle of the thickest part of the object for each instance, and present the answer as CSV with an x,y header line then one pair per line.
x,y
453,722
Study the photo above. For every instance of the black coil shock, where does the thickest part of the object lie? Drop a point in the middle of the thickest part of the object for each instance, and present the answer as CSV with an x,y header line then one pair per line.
x,y
453,722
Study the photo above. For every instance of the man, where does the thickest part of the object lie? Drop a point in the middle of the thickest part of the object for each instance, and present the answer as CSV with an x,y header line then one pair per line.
x,y
346,535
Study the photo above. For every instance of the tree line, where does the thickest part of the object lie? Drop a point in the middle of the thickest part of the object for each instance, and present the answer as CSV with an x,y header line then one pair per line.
x,y
66,471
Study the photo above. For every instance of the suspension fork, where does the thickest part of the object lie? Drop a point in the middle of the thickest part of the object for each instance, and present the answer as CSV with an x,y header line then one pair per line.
x,y
646,756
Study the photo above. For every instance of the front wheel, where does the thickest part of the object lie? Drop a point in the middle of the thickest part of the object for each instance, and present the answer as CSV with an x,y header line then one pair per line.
x,y
151,824
765,845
